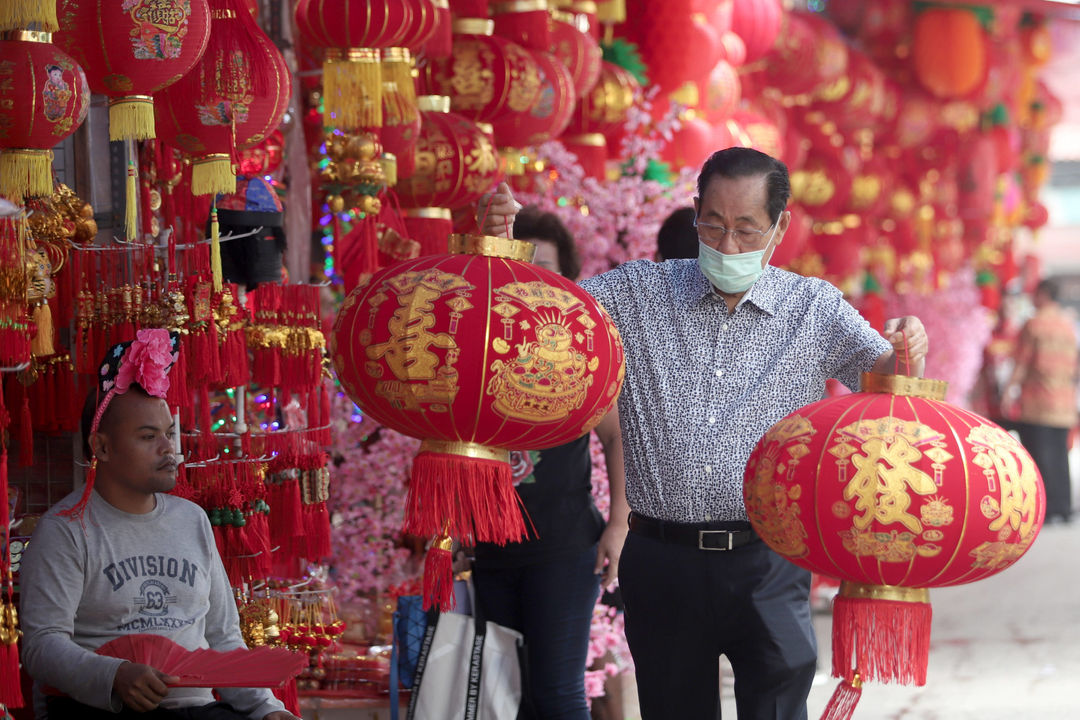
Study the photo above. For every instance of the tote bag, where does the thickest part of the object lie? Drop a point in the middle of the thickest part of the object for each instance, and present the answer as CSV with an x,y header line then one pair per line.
x,y
469,669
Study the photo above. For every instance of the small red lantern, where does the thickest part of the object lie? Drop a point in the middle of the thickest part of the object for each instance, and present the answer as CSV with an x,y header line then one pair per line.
x,y
44,97
475,352
456,163
551,113
690,145
131,50
895,491
486,76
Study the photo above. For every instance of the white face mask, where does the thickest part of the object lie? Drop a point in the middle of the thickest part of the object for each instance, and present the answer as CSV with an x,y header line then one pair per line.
x,y
734,273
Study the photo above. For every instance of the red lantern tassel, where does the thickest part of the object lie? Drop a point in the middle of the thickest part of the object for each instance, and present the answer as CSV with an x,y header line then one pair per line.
x,y
883,631
286,513
844,699
439,572
317,531
288,696
10,687
431,227
359,252
475,491
10,690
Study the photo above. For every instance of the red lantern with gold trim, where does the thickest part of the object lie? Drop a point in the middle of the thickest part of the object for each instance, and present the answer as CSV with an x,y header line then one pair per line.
x,y
475,352
131,50
550,114
894,491
576,48
808,53
486,76
599,115
757,22
456,163
44,97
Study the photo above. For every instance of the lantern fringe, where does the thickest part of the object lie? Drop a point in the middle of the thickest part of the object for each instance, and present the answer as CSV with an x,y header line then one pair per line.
x,y
476,495
399,94
841,705
21,14
25,173
131,119
433,234
352,93
884,640
213,175
439,575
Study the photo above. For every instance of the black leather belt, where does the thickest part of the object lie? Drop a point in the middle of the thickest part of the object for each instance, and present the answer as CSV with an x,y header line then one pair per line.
x,y
703,536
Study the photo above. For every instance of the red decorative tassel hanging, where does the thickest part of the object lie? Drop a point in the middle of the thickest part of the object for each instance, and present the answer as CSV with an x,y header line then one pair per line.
x,y
472,492
358,252
439,572
14,322
26,429
844,699
289,696
317,531
431,227
881,632
10,689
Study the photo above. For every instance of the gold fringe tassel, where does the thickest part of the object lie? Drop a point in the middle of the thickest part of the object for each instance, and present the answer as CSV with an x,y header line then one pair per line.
x,y
131,210
25,173
132,118
215,250
42,343
352,89
21,14
213,175
400,101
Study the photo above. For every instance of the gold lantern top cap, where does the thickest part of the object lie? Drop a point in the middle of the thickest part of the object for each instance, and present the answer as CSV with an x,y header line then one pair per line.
x,y
491,246
473,26
905,385
433,103
519,6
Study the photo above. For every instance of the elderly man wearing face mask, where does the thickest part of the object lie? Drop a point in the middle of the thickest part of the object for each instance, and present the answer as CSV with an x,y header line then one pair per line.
x,y
718,349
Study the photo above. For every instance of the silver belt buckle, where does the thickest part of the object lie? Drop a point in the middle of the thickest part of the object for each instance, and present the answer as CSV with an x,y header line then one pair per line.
x,y
701,539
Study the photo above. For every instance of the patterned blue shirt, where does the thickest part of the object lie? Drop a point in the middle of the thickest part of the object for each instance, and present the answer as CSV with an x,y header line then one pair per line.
x,y
702,386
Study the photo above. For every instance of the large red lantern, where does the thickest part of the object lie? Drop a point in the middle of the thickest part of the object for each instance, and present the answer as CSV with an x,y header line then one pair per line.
x,y
131,50
475,352
894,491
456,163
757,22
486,76
44,97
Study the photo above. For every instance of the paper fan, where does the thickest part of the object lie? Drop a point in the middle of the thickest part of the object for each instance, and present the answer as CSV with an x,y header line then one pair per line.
x,y
243,667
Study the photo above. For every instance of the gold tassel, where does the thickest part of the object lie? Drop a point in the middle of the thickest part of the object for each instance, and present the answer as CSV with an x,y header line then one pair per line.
x,y
215,250
25,173
131,118
398,84
21,14
213,175
352,89
131,210
42,343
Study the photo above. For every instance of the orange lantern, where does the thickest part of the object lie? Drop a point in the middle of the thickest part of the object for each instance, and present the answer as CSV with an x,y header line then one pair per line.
x,y
949,51
475,352
456,163
894,491
132,50
486,76
44,97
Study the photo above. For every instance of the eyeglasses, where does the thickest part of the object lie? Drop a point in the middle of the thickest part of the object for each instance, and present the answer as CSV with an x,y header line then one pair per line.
x,y
745,237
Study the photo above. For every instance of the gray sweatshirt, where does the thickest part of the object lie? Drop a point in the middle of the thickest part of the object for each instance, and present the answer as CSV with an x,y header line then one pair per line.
x,y
83,584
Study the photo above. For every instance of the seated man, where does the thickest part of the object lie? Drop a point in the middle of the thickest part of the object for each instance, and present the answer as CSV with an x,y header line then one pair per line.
x,y
124,557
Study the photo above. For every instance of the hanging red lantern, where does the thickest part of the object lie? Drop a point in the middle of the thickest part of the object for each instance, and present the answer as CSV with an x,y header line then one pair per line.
x,y
757,22
894,491
722,92
551,113
486,77
352,35
456,163
605,109
808,53
525,22
949,51
475,352
763,132
264,112
132,50
690,145
822,185
577,49
677,46
44,97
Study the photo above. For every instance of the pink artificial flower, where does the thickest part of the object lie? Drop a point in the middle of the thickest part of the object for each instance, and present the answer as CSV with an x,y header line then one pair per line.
x,y
146,362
